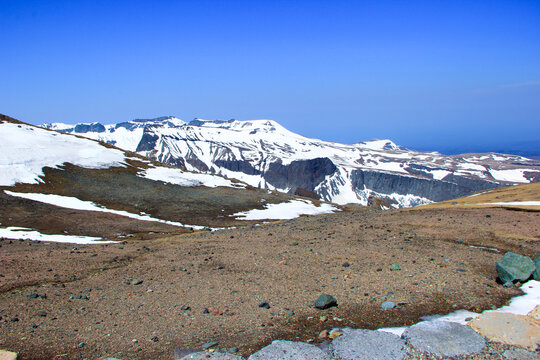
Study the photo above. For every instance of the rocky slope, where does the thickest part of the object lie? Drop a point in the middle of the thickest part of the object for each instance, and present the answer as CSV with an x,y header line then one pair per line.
x,y
264,154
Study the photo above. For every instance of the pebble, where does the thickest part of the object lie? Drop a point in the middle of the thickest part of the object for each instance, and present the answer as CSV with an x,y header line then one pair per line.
x,y
388,305
264,304
209,345
325,302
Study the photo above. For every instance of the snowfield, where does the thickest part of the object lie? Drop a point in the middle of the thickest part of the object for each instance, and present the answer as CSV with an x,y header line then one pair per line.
x,y
519,203
26,150
284,211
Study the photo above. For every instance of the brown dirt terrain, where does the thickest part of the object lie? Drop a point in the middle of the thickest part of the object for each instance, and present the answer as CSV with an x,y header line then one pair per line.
x,y
229,272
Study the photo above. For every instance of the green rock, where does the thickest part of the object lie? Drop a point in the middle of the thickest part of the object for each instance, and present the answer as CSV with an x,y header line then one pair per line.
x,y
325,302
536,273
395,267
515,267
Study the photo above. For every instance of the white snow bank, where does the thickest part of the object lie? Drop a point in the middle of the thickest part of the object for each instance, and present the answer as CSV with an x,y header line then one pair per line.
x,y
29,234
288,210
511,175
520,305
183,178
522,203
77,204
26,150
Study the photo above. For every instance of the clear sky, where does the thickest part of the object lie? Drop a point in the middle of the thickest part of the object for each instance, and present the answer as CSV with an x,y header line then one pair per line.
x,y
426,74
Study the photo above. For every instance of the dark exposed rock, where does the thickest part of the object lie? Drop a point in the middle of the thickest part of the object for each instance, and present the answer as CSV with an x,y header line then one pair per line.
x,y
325,302
514,267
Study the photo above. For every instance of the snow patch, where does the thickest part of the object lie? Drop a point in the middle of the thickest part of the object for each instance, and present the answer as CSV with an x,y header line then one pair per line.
x,y
29,234
522,203
519,305
285,211
511,175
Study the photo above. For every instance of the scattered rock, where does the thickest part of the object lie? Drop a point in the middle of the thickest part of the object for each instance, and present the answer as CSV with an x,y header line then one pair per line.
x,y
284,349
204,355
324,335
32,296
206,311
136,282
42,313
444,338
368,345
510,329
514,267
154,339
335,334
264,304
520,354
388,305
394,267
345,264
8,355
325,302
81,344
209,345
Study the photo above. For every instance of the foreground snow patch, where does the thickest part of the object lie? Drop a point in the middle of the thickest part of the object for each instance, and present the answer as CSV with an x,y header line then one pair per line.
x,y
284,211
29,234
26,150
183,178
519,305
77,204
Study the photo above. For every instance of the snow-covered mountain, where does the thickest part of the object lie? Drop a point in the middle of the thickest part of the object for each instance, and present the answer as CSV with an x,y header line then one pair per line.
x,y
264,154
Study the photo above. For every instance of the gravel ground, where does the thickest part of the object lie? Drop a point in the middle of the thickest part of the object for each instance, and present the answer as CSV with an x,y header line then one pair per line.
x,y
144,299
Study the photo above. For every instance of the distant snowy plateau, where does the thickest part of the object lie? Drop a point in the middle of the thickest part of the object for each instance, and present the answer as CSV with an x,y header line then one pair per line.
x,y
264,154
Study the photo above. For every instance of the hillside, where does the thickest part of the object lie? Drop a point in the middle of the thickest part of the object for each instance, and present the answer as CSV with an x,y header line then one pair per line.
x,y
264,154
59,183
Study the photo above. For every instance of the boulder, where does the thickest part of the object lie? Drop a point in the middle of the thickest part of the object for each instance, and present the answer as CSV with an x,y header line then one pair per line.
x,y
290,350
511,329
204,355
536,273
514,267
368,345
325,302
520,354
444,338
8,355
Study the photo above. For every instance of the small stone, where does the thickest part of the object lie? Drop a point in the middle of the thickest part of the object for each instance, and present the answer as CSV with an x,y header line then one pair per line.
x,y
345,264
335,334
42,313
185,308
234,349
206,311
324,335
81,344
154,339
323,318
209,345
136,282
395,267
32,296
325,302
290,313
387,305
264,304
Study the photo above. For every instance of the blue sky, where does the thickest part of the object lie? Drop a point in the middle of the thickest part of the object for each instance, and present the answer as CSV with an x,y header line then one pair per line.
x,y
426,74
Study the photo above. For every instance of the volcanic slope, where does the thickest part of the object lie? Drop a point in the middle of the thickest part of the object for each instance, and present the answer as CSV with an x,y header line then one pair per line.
x,y
61,184
264,154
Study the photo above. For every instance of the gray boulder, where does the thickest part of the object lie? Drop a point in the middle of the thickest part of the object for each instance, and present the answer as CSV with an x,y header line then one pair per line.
x,y
514,267
444,338
368,345
325,302
536,273
204,355
290,350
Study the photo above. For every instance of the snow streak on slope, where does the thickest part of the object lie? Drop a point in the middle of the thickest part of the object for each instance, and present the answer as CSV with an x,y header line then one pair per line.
x,y
25,150
77,204
283,211
182,178
29,234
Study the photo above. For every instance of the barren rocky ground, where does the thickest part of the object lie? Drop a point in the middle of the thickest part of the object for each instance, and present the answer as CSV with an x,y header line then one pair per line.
x,y
143,299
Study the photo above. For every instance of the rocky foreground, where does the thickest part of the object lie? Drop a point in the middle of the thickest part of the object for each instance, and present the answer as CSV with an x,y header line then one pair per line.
x,y
241,289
